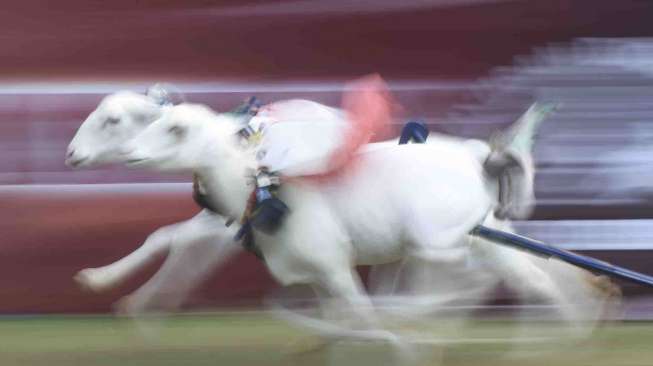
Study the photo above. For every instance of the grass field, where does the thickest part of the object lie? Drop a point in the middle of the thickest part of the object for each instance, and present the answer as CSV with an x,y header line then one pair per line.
x,y
257,339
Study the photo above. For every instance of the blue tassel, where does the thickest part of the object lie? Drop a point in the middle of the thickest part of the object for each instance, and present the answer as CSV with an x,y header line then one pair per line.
x,y
413,131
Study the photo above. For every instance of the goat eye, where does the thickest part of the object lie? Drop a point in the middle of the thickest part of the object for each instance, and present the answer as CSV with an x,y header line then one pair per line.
x,y
111,121
177,131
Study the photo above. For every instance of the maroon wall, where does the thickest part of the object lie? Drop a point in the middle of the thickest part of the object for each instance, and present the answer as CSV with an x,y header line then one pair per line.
x,y
262,38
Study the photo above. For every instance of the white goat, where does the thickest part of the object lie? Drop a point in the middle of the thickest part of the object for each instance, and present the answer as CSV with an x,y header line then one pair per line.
x,y
201,243
99,140
377,215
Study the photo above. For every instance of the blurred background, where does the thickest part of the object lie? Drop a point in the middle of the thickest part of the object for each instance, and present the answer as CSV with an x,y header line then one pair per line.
x,y
466,67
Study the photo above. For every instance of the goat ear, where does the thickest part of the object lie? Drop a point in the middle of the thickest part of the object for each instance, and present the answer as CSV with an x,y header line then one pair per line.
x,y
159,95
165,94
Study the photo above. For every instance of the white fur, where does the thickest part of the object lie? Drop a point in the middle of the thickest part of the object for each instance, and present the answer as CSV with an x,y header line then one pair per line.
x,y
403,201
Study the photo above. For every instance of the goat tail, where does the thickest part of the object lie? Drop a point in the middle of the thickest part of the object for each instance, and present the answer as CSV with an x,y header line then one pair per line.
x,y
510,161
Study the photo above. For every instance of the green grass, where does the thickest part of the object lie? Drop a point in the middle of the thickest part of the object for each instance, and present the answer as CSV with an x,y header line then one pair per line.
x,y
256,339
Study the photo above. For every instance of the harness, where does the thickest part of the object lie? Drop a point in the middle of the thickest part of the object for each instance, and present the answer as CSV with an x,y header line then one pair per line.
x,y
264,210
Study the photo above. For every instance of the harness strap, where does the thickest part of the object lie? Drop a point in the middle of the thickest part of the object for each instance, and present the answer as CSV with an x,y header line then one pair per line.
x,y
249,109
245,234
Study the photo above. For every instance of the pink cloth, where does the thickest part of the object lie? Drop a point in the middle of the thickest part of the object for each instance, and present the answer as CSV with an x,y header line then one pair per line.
x,y
369,109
